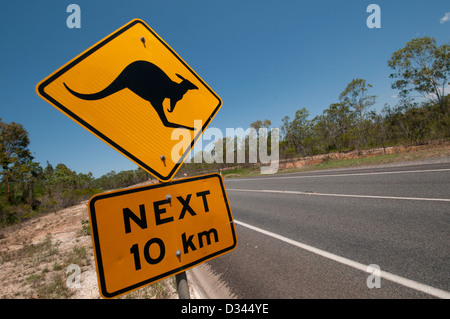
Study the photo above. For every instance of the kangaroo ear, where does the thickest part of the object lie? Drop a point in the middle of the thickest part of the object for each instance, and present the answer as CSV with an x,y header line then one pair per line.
x,y
180,76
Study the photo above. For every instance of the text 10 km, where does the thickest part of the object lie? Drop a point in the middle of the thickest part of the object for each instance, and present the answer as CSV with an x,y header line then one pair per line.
x,y
188,242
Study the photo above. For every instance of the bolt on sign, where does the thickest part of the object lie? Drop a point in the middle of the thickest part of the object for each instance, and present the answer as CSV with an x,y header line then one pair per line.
x,y
133,91
144,234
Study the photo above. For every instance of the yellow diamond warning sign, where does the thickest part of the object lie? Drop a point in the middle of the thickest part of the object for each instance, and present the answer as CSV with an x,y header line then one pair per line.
x,y
144,234
133,91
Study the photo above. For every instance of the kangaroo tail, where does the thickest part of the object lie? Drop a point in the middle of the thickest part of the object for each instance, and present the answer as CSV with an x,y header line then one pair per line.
x,y
114,87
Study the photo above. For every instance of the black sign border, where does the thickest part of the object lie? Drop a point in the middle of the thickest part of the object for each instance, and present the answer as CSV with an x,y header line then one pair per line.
x,y
96,239
41,91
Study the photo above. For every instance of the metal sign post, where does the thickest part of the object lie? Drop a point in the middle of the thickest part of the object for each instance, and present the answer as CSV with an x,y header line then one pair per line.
x,y
181,278
182,285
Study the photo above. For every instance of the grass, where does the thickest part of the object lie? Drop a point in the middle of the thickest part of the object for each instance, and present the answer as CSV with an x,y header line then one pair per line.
x,y
241,172
43,283
85,228
55,288
157,290
78,256
44,267
351,162
327,163
48,284
32,252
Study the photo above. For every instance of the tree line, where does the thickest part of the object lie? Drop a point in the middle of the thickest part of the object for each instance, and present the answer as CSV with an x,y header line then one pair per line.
x,y
28,189
420,69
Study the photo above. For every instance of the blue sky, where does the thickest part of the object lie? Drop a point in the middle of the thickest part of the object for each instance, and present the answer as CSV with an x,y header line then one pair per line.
x,y
265,59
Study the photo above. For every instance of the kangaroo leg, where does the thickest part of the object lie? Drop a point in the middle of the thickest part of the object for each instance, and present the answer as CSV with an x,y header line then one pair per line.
x,y
160,110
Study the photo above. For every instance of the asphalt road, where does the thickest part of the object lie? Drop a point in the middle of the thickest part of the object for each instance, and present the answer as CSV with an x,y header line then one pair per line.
x,y
312,235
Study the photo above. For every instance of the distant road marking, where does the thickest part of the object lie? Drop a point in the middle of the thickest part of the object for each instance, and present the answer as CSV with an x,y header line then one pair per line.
x,y
339,175
383,274
336,195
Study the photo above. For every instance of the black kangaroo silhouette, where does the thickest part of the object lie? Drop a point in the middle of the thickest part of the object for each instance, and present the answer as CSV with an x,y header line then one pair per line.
x,y
148,82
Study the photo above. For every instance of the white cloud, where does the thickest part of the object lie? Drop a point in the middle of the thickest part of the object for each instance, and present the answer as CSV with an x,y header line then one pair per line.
x,y
445,18
445,91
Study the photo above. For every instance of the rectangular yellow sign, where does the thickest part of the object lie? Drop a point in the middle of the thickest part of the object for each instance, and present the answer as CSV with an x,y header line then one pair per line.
x,y
133,91
144,234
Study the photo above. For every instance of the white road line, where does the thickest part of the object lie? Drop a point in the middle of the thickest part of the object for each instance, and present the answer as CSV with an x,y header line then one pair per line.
x,y
383,274
338,175
336,195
